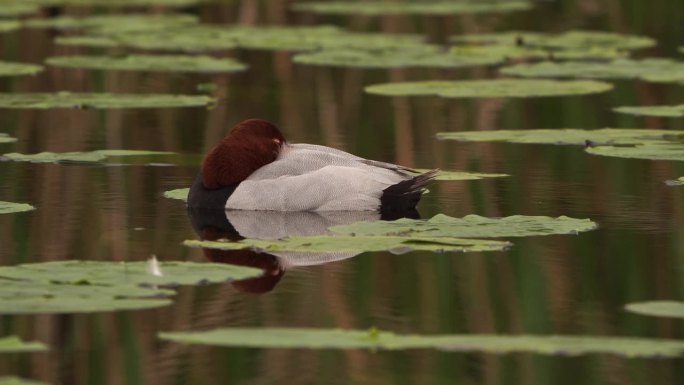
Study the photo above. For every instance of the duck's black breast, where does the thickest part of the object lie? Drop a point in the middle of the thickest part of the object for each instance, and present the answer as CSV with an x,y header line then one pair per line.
x,y
202,197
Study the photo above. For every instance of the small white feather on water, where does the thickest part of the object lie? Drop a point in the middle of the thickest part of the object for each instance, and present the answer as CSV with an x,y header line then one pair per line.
x,y
153,267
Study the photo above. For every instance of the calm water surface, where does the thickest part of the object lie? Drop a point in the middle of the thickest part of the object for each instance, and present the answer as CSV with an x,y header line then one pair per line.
x,y
549,285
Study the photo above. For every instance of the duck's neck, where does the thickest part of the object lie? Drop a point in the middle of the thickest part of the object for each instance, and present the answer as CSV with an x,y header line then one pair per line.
x,y
234,159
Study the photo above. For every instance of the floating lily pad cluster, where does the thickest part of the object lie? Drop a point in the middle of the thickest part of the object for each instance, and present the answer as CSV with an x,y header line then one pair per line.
x,y
77,157
91,286
100,100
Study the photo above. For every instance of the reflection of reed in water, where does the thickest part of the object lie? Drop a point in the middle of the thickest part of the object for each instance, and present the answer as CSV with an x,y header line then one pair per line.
x,y
270,225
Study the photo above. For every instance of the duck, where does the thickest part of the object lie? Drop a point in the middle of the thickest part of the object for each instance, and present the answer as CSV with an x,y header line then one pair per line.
x,y
255,168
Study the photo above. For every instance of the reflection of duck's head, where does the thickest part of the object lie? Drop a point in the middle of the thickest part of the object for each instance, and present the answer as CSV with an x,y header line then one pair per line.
x,y
254,168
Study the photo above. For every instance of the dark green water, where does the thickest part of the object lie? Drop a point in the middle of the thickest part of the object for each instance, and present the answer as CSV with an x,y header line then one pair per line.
x,y
551,285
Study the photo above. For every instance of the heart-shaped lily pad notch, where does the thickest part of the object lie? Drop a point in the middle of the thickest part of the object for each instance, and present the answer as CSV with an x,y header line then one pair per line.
x,y
470,226
119,22
652,69
663,111
356,244
11,207
604,136
13,380
497,88
78,157
4,138
429,7
165,63
293,338
13,344
18,69
92,286
672,309
100,100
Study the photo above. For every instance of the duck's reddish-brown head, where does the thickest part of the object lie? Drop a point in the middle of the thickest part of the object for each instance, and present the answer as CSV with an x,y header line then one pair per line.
x,y
250,145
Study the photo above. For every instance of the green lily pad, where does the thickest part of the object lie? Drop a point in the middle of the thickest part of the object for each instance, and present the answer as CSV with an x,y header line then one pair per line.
x,y
121,3
604,136
503,53
502,88
120,22
655,70
9,25
291,338
327,243
674,309
461,175
100,100
93,286
664,111
675,182
18,8
13,344
13,380
569,40
184,63
77,157
4,138
411,7
11,207
653,151
470,226
395,58
179,193
17,69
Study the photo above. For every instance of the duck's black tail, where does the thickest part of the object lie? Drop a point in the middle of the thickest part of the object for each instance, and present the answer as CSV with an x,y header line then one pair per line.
x,y
400,200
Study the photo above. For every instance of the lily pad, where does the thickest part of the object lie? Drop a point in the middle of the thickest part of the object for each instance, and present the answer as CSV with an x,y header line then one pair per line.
x,y
13,344
171,63
4,138
664,111
179,193
461,175
411,7
77,157
653,151
470,226
18,8
654,69
17,69
674,309
327,243
604,136
11,207
121,3
392,58
100,100
569,40
93,286
291,338
501,88
9,25
675,182
13,380
120,22
504,53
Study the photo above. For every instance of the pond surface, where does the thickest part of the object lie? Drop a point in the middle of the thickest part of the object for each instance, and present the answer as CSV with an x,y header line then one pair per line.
x,y
558,284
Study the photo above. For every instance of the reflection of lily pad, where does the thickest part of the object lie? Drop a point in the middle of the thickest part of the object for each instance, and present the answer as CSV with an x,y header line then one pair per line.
x,y
569,40
411,7
4,138
373,339
90,286
13,344
17,69
87,157
122,22
100,100
11,207
184,63
391,58
565,136
461,175
327,243
654,151
503,88
655,69
13,380
179,193
673,309
664,111
470,226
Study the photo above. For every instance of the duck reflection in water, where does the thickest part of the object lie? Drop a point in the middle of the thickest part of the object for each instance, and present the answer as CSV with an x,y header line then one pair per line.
x,y
234,225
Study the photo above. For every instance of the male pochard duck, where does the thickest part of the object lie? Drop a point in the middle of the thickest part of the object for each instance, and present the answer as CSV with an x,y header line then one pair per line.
x,y
255,168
